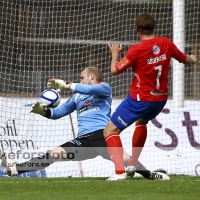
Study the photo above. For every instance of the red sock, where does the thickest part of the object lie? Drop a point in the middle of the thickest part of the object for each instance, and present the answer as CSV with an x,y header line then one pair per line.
x,y
115,149
138,141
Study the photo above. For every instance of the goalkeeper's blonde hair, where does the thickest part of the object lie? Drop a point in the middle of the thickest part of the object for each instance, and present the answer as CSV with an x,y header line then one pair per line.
x,y
96,71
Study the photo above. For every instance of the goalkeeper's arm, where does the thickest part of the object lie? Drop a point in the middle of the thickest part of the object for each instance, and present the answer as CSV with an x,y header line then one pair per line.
x,y
40,109
54,113
58,84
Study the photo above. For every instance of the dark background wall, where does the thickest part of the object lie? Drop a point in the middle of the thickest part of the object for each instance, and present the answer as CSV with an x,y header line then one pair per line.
x,y
26,65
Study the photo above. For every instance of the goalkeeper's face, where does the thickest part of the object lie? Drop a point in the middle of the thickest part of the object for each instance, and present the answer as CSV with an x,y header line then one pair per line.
x,y
86,78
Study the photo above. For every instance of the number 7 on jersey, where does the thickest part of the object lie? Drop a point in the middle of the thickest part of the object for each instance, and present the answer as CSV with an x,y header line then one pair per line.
x,y
159,68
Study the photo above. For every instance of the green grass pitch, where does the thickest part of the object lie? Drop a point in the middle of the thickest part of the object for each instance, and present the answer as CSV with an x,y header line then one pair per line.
x,y
179,187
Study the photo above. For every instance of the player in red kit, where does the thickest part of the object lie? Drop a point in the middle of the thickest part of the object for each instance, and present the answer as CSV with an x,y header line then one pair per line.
x,y
150,61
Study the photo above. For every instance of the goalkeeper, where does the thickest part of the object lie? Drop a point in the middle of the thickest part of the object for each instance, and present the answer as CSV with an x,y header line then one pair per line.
x,y
92,102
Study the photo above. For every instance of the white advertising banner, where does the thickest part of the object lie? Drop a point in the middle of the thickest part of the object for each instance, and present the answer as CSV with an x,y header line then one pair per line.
x,y
173,140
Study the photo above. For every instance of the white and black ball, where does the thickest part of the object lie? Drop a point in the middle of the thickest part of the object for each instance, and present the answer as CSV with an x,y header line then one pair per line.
x,y
50,97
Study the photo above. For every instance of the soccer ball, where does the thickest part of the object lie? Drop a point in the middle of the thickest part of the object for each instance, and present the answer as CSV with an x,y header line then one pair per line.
x,y
50,97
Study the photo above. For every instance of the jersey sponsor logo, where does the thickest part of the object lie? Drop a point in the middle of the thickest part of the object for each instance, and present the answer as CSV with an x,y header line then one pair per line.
x,y
122,121
121,64
154,93
82,109
89,111
156,59
156,49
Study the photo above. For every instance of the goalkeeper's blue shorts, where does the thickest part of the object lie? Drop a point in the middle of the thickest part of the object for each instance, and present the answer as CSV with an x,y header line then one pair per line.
x,y
130,111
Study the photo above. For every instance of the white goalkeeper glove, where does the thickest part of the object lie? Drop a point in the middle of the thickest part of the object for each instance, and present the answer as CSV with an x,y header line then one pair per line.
x,y
38,108
58,84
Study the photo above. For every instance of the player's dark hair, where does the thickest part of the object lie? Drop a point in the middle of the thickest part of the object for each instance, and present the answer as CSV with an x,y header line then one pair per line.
x,y
145,23
96,71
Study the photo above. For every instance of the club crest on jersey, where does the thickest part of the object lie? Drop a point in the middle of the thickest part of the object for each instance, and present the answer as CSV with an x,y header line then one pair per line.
x,y
156,49
87,102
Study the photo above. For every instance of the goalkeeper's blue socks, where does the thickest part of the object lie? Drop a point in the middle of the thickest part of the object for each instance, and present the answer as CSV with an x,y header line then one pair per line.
x,y
37,163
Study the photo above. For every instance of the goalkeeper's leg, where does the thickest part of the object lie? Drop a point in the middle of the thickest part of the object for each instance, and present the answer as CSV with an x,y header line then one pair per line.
x,y
37,163
77,146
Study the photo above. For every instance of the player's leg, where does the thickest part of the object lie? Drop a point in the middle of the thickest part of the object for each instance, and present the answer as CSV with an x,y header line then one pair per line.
x,y
138,109
125,114
159,174
145,109
80,148
150,111
126,157
60,153
37,163
98,141
138,141
100,146
115,149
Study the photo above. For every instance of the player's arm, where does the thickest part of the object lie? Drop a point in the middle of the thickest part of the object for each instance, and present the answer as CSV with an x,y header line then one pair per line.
x,y
58,84
115,50
64,109
190,59
39,109
54,113
118,66
101,89
182,57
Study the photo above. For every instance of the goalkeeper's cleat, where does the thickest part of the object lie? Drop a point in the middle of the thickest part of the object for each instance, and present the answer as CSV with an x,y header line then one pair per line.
x,y
3,160
160,170
130,170
117,177
12,171
159,176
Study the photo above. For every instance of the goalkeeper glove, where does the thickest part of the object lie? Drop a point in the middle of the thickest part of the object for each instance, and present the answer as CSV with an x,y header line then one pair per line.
x,y
38,108
58,84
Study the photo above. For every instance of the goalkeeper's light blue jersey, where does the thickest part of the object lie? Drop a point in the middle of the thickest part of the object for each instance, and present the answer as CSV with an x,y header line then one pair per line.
x,y
93,106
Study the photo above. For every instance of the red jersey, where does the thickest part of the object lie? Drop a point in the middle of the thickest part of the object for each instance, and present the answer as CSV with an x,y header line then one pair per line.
x,y
150,61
